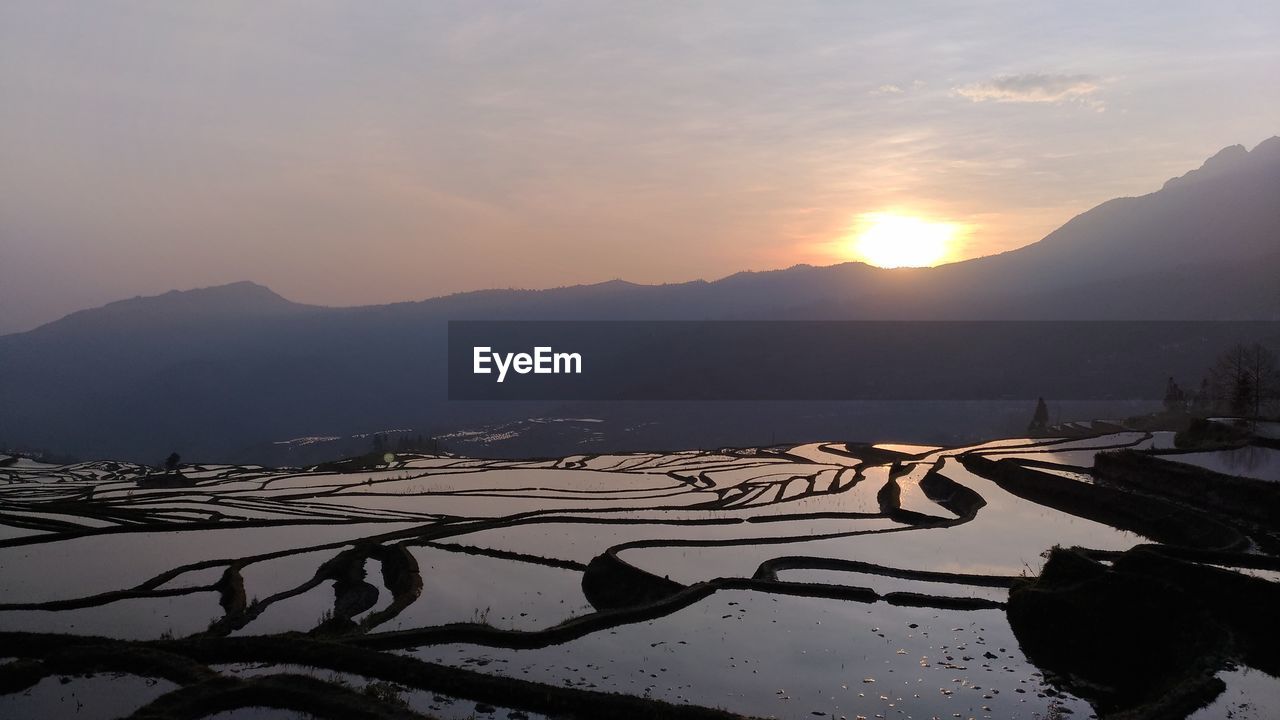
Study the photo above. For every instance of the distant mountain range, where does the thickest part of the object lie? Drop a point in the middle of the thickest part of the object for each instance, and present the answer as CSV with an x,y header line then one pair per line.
x,y
214,371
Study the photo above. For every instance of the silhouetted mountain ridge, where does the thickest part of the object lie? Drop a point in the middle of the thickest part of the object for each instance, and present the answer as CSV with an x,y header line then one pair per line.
x,y
212,370
1219,217
176,308
1230,159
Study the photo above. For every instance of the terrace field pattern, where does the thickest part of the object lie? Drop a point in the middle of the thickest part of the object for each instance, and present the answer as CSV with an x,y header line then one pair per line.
x,y
819,580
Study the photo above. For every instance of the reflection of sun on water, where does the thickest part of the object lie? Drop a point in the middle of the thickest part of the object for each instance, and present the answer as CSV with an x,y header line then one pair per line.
x,y
889,240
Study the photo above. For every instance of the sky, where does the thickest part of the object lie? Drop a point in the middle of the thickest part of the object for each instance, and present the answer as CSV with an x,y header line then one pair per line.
x,y
348,153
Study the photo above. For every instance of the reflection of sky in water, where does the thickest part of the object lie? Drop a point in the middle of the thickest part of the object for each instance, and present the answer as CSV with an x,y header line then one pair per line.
x,y
1081,453
1006,538
787,656
99,697
886,584
583,541
1249,461
130,619
457,587
427,702
95,564
751,652
1250,695
265,578
298,613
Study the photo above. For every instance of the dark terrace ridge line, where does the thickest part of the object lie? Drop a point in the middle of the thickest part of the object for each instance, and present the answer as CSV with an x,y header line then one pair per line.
x,y
186,662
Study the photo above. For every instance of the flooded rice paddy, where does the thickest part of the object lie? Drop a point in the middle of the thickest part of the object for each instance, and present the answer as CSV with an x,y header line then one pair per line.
x,y
822,580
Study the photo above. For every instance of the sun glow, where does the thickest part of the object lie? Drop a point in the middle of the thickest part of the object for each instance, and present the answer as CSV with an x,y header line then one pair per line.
x,y
890,240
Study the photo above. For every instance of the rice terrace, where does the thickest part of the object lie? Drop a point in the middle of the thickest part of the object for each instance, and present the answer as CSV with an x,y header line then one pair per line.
x,y
824,580
601,360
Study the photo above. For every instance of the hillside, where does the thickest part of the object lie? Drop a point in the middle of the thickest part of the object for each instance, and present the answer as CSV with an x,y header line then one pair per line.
x,y
220,369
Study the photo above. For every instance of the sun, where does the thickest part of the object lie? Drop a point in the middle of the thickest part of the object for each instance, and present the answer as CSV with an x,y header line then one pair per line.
x,y
891,240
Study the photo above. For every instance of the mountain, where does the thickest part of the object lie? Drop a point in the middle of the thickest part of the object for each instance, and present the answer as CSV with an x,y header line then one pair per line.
x,y
216,370
1225,213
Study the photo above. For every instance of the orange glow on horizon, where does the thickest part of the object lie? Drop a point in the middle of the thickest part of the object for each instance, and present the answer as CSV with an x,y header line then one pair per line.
x,y
892,240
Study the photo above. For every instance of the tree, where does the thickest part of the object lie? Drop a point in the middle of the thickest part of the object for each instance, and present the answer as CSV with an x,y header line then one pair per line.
x,y
1202,401
1175,400
1264,378
1040,420
171,462
1245,379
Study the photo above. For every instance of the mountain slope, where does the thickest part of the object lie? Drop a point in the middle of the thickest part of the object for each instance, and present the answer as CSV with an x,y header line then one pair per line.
x,y
214,370
1227,210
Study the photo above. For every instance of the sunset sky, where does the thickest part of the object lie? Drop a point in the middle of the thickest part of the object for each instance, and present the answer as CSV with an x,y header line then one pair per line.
x,y
352,152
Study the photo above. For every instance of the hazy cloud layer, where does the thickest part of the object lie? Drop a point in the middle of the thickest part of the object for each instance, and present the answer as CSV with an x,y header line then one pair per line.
x,y
1032,88
346,152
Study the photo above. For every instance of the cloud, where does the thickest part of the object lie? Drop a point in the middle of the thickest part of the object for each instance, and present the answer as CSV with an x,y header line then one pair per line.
x,y
1035,88
893,89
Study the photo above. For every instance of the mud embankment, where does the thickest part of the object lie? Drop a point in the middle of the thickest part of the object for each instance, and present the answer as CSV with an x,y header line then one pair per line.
x,y
1257,500
1144,637
1157,519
